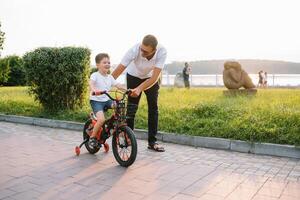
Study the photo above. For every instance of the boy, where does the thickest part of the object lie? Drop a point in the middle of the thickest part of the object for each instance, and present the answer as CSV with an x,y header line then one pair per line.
x,y
101,81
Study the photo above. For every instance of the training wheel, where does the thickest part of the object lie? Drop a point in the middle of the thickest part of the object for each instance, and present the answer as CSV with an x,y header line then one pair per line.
x,y
77,150
106,147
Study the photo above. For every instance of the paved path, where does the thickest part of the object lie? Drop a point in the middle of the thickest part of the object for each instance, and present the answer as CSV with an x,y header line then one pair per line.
x,y
39,163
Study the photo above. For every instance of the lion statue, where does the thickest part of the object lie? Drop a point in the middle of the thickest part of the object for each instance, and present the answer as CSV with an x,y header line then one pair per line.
x,y
234,77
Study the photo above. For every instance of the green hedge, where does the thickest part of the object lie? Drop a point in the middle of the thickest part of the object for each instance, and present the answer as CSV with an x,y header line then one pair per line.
x,y
93,70
17,74
58,77
4,70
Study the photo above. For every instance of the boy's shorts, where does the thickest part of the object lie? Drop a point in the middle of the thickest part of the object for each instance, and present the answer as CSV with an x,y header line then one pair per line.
x,y
100,106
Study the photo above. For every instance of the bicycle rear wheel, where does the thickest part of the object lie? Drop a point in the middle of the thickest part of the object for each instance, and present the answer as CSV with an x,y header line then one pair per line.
x,y
88,125
124,146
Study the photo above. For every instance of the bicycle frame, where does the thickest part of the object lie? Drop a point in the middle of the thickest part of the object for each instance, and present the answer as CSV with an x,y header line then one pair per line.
x,y
124,144
117,119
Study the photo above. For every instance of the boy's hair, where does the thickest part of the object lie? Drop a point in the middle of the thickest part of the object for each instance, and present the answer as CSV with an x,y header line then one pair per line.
x,y
100,56
150,40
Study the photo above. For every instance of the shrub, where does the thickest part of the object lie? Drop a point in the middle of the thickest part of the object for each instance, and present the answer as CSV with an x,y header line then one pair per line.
x,y
17,74
58,77
4,70
93,70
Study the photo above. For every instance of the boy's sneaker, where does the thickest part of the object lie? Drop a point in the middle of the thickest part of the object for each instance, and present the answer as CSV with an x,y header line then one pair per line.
x,y
93,142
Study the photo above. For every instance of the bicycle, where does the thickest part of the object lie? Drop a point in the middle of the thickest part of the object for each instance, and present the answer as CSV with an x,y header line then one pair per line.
x,y
124,143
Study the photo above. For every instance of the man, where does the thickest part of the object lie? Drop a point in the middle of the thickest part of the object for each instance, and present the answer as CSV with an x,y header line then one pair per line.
x,y
186,75
144,63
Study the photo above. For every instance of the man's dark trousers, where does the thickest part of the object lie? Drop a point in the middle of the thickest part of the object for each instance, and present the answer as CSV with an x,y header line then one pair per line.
x,y
152,97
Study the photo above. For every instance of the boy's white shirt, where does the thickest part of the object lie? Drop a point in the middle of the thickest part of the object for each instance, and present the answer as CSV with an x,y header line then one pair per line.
x,y
102,83
141,67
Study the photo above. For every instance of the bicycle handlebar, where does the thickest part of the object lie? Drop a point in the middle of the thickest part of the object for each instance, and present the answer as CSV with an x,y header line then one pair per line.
x,y
97,93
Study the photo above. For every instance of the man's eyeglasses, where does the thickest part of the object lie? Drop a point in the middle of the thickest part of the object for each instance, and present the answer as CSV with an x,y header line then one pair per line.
x,y
147,52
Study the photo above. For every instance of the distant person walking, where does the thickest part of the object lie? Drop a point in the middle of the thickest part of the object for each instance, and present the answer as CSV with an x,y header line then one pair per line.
x,y
265,80
186,75
260,78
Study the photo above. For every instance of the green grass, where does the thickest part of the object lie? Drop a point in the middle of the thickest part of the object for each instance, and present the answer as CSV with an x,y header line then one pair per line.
x,y
17,101
273,115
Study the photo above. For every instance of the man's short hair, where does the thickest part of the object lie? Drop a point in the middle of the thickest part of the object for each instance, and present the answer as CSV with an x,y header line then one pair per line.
x,y
100,56
150,40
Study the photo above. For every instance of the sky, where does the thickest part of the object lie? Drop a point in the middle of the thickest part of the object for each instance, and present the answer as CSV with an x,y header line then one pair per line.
x,y
189,29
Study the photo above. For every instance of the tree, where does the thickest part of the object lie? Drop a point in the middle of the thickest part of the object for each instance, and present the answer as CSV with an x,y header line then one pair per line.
x,y
1,39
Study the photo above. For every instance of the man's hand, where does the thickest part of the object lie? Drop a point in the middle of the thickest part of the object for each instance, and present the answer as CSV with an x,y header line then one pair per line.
x,y
135,92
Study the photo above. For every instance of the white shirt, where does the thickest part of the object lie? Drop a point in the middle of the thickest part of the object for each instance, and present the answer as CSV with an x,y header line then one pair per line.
x,y
141,67
102,83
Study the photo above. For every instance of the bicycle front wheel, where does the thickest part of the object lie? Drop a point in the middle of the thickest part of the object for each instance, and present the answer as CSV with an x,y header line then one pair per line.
x,y
124,146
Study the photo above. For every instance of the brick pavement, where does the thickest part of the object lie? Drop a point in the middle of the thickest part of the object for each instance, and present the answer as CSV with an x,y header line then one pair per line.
x,y
39,163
